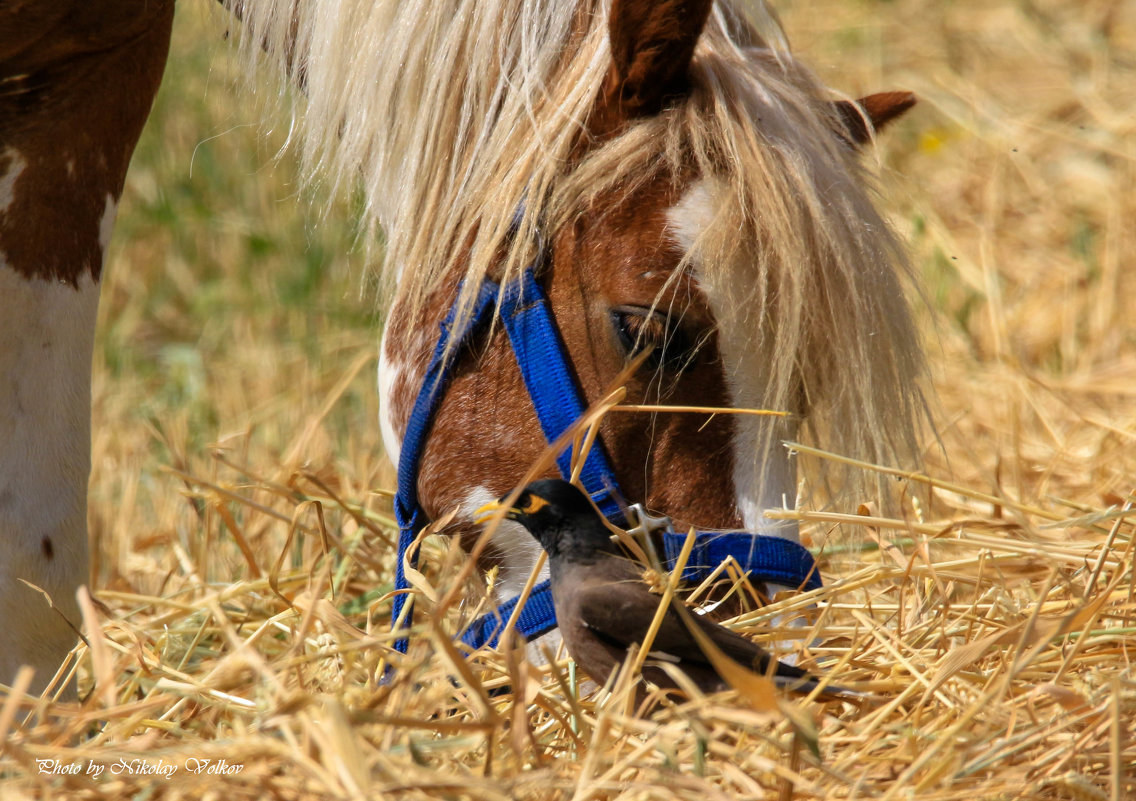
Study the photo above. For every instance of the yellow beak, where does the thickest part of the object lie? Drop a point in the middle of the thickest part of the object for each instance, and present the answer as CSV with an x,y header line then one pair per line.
x,y
487,512
490,510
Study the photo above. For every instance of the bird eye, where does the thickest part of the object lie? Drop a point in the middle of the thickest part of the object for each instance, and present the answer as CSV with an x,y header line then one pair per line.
x,y
533,504
639,329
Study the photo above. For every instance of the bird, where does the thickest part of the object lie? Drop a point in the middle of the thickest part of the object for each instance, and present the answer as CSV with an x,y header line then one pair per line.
x,y
604,606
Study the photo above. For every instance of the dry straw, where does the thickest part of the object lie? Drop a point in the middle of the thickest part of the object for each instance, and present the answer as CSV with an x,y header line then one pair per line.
x,y
998,663
245,628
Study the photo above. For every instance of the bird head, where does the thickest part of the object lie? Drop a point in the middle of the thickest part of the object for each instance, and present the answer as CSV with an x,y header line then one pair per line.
x,y
558,514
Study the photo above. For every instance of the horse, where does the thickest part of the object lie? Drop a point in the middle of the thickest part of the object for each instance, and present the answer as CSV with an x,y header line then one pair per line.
x,y
76,84
665,179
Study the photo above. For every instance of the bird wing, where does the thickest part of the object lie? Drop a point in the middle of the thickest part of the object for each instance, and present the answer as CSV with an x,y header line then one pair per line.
x,y
620,612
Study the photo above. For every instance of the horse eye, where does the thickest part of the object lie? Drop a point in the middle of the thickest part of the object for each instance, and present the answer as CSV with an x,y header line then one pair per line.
x,y
638,329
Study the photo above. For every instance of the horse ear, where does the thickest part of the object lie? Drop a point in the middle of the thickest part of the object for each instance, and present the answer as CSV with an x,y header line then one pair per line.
x,y
652,43
878,110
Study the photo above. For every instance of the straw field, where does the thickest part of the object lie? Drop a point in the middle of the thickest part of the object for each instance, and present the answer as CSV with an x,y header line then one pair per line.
x,y
240,507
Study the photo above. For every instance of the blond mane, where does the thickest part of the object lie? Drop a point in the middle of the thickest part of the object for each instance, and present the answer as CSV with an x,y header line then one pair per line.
x,y
455,114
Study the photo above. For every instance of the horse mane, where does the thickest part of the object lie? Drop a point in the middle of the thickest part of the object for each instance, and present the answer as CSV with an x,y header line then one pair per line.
x,y
454,115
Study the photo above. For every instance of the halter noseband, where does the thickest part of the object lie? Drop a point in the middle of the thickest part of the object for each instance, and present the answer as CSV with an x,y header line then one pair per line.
x,y
559,403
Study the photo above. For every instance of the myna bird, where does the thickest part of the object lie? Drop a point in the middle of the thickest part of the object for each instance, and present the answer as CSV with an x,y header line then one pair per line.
x,y
603,605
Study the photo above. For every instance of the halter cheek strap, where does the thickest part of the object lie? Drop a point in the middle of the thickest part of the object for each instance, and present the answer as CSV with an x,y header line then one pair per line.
x,y
544,364
407,511
559,403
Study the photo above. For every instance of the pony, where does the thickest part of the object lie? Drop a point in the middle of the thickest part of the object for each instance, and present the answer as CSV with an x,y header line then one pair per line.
x,y
686,197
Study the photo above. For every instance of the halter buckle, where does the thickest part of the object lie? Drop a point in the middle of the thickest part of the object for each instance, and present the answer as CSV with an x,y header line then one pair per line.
x,y
644,525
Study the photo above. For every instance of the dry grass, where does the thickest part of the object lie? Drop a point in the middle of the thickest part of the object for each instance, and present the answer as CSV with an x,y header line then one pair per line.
x,y
244,547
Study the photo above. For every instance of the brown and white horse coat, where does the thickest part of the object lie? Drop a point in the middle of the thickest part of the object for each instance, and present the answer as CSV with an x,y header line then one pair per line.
x,y
696,189
652,223
76,83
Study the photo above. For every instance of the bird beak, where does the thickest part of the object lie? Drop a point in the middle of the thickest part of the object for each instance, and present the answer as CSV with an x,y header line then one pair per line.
x,y
487,512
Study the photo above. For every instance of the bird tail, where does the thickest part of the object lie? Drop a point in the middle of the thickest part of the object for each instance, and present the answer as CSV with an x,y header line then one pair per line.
x,y
805,684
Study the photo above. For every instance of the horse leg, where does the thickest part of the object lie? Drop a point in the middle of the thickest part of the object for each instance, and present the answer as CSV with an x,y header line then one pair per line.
x,y
46,332
78,84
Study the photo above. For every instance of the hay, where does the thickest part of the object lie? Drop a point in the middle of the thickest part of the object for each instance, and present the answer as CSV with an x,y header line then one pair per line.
x,y
239,630
997,648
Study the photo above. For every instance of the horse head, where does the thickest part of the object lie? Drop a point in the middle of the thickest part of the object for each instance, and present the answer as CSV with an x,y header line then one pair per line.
x,y
711,215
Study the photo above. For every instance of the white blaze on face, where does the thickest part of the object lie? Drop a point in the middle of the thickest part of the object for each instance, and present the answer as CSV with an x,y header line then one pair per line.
x,y
756,486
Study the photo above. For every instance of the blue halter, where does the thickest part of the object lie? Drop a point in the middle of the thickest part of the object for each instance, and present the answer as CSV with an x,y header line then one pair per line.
x,y
559,403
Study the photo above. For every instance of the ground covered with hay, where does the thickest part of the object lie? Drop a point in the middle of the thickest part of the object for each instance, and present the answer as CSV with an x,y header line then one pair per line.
x,y
240,514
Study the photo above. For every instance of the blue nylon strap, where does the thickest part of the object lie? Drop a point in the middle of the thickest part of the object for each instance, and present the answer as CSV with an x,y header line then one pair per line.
x,y
559,403
408,514
544,364
537,617
545,367
767,558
